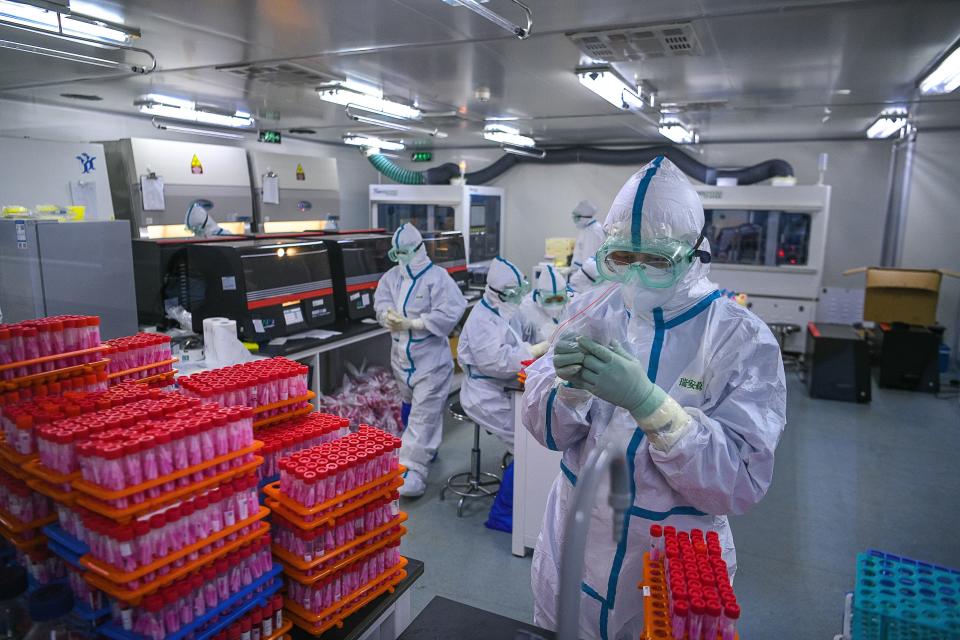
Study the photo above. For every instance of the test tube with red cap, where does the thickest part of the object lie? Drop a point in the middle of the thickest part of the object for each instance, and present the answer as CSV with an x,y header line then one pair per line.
x,y
679,619
728,623
656,542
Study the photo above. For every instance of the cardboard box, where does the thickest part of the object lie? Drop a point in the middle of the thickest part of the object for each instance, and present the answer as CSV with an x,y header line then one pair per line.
x,y
902,295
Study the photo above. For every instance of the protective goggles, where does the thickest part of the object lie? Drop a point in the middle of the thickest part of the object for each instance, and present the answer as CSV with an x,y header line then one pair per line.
x,y
547,297
657,263
514,293
398,254
577,218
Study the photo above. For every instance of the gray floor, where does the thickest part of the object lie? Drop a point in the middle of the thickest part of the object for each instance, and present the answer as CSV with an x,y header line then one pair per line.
x,y
848,477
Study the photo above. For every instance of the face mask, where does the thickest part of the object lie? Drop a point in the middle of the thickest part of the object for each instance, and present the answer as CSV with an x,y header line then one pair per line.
x,y
553,309
640,299
404,255
581,221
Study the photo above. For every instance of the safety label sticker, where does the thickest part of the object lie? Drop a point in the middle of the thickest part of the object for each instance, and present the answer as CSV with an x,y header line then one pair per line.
x,y
195,166
21,234
300,174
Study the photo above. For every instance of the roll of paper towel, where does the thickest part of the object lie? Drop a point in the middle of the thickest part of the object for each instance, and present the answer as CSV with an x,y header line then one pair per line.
x,y
209,345
223,345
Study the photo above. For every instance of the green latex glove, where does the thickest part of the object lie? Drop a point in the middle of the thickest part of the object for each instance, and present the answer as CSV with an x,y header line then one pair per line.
x,y
614,375
567,357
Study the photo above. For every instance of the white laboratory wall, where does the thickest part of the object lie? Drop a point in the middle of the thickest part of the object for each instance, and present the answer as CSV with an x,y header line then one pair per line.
x,y
46,122
932,238
541,196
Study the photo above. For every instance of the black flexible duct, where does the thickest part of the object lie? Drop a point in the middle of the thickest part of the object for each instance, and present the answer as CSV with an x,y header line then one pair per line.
x,y
443,173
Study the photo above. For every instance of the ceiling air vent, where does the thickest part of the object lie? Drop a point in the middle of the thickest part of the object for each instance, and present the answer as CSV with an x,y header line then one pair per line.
x,y
629,44
279,73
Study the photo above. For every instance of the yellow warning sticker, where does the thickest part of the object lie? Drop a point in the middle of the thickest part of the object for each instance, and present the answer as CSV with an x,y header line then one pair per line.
x,y
300,174
195,166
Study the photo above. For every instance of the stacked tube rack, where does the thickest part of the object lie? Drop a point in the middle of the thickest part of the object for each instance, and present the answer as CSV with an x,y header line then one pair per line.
x,y
338,527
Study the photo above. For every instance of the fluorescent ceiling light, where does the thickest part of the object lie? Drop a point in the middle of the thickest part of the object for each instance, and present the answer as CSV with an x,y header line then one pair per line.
x,y
366,98
478,8
507,135
677,133
74,26
398,126
72,23
95,11
945,76
889,122
371,142
62,55
163,126
28,15
179,109
611,86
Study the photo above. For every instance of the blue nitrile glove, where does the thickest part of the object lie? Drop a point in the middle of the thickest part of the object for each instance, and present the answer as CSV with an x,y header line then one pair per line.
x,y
567,357
616,376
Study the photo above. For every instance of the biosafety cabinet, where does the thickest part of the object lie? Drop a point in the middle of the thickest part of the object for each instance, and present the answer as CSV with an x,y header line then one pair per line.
x,y
294,193
476,212
769,242
155,182
38,172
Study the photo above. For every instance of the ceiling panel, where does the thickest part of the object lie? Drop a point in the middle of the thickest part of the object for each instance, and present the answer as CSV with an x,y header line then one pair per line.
x,y
769,69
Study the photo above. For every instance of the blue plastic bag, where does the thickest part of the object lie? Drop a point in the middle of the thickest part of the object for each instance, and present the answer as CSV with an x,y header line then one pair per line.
x,y
501,512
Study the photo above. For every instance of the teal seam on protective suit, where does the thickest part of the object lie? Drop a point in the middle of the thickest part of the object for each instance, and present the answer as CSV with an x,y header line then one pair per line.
x,y
571,476
639,198
487,305
396,236
551,443
553,279
657,516
477,376
704,302
587,589
410,339
658,335
610,601
512,268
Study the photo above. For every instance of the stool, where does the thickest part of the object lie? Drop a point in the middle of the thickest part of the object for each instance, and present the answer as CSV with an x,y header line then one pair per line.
x,y
782,331
473,483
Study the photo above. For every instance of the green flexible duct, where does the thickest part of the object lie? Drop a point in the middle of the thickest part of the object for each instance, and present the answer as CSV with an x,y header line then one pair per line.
x,y
395,172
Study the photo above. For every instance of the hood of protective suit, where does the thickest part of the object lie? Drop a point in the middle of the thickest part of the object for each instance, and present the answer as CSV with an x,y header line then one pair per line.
x,y
501,275
585,211
659,202
586,276
408,235
551,281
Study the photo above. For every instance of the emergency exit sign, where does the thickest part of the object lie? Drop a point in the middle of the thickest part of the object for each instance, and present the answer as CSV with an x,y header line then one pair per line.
x,y
269,136
422,156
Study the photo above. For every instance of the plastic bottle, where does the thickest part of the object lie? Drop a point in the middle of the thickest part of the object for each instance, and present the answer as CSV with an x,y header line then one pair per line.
x,y
50,609
14,619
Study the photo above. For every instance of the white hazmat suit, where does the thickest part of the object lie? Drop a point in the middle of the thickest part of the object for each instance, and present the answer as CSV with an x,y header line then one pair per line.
x,y
590,235
420,304
707,450
493,343
586,278
546,307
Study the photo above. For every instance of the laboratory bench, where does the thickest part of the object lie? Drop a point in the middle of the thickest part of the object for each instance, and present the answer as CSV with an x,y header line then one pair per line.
x,y
384,618
444,619
314,351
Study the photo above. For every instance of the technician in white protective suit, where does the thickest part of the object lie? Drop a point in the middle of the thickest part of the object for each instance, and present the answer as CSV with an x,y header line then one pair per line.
x,y
590,234
420,304
690,381
494,341
546,307
586,278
